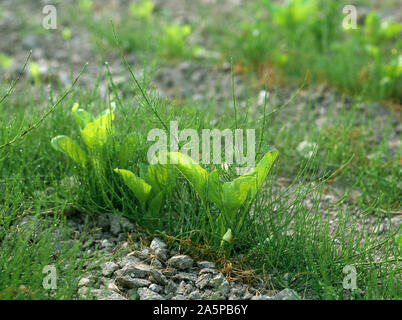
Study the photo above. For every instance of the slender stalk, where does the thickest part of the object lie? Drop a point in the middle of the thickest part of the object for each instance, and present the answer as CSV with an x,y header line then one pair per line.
x,y
233,93
14,82
264,116
144,95
40,120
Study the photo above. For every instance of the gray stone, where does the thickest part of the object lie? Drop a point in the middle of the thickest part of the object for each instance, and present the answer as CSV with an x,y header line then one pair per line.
x,y
128,261
126,224
169,296
237,292
162,254
206,264
117,223
30,42
105,243
247,296
185,288
83,292
126,281
137,270
203,280
158,277
185,276
84,282
156,263
148,294
207,270
103,222
195,295
112,286
170,272
221,284
88,244
141,254
171,287
261,297
217,295
206,295
156,288
181,262
110,295
286,294
157,244
115,227
109,267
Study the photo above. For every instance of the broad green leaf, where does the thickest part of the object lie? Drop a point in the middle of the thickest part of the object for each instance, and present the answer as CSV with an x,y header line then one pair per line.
x,y
263,167
140,188
161,177
156,203
95,133
143,170
228,236
372,27
215,188
82,117
234,193
392,29
70,148
127,149
192,171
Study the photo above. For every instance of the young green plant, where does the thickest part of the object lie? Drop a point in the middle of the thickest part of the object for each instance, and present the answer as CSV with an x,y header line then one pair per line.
x,y
151,188
95,133
229,197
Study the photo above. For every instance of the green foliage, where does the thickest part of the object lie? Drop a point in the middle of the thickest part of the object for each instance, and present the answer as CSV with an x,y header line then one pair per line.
x,y
66,33
294,12
151,188
398,239
140,188
71,148
173,40
140,30
35,72
309,36
142,10
5,61
378,32
85,5
228,196
94,133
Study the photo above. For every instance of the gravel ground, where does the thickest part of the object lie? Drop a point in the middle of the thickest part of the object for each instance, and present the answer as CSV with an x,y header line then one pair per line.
x,y
125,265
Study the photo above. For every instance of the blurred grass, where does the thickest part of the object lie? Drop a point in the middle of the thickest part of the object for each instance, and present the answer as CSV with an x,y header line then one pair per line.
x,y
302,35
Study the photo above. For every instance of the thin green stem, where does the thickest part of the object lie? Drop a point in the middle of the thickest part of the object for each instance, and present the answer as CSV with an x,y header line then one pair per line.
x,y
21,135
